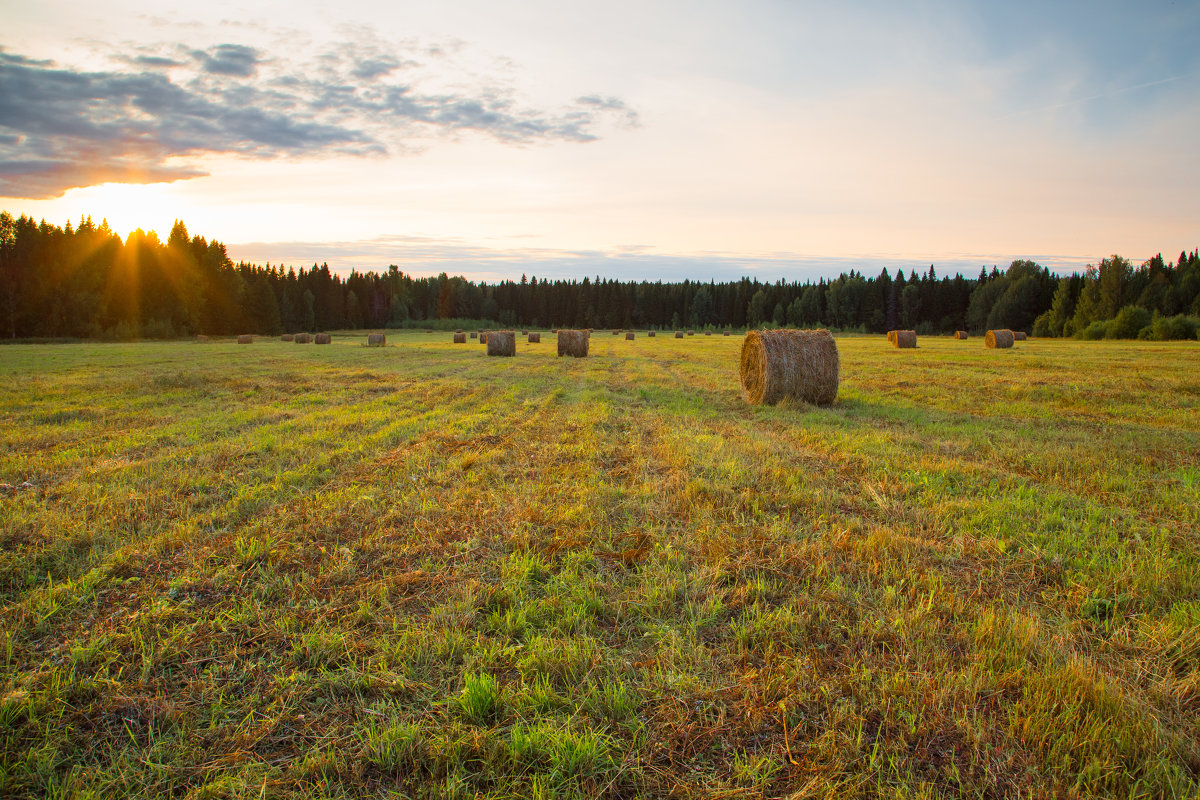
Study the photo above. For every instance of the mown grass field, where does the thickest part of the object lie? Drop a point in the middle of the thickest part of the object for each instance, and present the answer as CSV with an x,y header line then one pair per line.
x,y
285,570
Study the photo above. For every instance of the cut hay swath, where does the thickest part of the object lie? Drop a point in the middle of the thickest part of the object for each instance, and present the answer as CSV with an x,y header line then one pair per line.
x,y
960,334
376,340
678,334
323,338
460,338
502,343
801,365
999,339
629,337
573,343
1020,336
903,339
534,338
245,339
287,337
651,334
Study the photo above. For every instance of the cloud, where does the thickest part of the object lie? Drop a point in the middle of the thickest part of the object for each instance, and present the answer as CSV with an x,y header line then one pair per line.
x,y
167,106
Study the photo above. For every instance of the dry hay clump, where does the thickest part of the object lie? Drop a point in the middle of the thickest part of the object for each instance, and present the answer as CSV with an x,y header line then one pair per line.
x,y
802,365
1001,338
1020,336
502,343
534,338
678,334
651,334
903,338
245,338
460,338
201,339
303,338
629,336
474,334
960,334
323,338
573,343
287,337
376,339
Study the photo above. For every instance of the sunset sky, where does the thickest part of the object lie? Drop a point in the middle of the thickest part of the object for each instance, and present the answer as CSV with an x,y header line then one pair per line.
x,y
625,139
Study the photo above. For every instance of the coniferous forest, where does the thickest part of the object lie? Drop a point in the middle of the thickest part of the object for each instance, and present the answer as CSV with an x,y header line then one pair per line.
x,y
84,281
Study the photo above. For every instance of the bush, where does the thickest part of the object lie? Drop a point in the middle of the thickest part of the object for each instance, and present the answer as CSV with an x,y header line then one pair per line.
x,y
1097,330
1163,329
1128,323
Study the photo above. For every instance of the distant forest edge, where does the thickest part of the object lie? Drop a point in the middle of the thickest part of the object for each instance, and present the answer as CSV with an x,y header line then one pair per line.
x,y
85,282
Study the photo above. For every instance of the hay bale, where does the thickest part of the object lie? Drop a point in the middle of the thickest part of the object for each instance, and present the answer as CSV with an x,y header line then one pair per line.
x,y
726,333
1020,336
303,338
429,330
708,333
460,338
458,330
534,338
629,336
802,365
524,331
324,338
891,337
483,337
573,343
616,333
287,337
678,334
201,339
903,339
651,334
691,333
502,343
245,338
999,339
376,340
960,334
474,334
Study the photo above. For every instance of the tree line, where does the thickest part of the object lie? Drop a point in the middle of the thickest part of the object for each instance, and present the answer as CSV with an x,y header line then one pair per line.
x,y
85,281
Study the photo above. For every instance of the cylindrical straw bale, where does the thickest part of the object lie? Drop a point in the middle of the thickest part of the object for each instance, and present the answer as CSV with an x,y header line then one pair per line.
x,y
1000,339
629,337
651,334
483,337
1020,336
678,334
891,337
323,338
303,338
691,333
802,365
245,338
502,343
201,339
726,333
960,334
474,334
376,339
905,339
429,330
287,337
708,333
573,343
460,338
458,330
524,332
535,338
616,333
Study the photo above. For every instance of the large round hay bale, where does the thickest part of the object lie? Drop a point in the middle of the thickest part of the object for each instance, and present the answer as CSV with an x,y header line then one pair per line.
x,y
629,336
535,338
458,330
802,365
1020,336
691,333
1001,338
323,338
726,333
201,338
903,338
651,334
474,334
524,332
460,338
960,334
616,333
502,343
303,338
376,339
678,334
708,333
245,338
573,343
287,337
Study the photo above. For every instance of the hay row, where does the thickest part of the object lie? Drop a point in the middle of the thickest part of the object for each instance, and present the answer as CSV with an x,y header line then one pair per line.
x,y
802,365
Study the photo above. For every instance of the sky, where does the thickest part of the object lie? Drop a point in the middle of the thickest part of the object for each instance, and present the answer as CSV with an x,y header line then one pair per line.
x,y
634,140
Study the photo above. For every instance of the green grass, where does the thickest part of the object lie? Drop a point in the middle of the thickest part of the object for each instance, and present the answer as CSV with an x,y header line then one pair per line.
x,y
298,571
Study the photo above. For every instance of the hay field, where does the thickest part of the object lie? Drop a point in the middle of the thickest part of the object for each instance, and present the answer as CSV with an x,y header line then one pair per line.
x,y
280,571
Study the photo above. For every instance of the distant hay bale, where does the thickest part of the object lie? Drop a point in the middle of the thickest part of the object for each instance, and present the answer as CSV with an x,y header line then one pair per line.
x,y
502,343
616,333
303,338
376,340
573,343
708,333
474,334
903,339
201,339
802,365
678,334
691,333
1020,336
458,330
999,339
245,339
323,338
726,333
483,337
960,334
534,338
460,338
651,334
891,337
524,332
629,337
287,337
